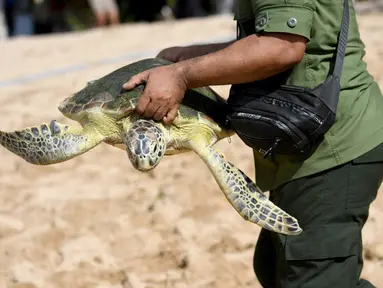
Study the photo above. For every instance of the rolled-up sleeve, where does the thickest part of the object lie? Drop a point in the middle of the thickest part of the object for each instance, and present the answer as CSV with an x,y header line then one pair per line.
x,y
293,17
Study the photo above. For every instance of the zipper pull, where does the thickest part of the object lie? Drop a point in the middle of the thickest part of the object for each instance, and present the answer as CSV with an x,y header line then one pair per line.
x,y
227,127
272,148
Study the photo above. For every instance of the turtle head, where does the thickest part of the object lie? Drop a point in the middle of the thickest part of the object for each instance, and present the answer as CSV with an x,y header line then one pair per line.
x,y
145,145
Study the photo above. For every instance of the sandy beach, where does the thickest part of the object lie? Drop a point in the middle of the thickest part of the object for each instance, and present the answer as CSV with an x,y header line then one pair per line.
x,y
94,221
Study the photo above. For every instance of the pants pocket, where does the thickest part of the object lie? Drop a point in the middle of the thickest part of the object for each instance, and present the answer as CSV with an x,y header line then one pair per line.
x,y
365,178
322,242
324,256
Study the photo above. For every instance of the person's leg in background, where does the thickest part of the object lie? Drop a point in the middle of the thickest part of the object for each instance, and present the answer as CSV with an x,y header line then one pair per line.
x,y
189,8
331,207
219,6
58,9
105,11
23,18
3,25
8,13
144,10
224,6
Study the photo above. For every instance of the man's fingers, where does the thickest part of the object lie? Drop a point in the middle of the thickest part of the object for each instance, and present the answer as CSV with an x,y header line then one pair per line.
x,y
142,104
133,82
150,110
160,113
136,80
172,114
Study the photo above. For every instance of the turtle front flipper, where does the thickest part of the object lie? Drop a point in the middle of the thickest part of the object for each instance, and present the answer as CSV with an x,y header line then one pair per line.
x,y
245,196
50,143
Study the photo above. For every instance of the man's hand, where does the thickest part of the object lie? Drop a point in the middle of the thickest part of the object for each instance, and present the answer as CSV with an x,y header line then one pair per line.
x,y
250,59
164,90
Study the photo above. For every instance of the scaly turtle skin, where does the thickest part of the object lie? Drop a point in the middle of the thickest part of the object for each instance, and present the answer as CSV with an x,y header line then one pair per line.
x,y
107,114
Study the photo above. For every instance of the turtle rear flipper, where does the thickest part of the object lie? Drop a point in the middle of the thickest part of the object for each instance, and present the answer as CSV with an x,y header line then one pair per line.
x,y
245,196
50,143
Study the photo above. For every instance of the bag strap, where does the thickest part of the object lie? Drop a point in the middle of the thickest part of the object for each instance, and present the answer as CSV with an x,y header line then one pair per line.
x,y
342,42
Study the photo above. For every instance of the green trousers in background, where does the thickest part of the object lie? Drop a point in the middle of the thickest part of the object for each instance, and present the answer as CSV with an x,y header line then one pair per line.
x,y
331,207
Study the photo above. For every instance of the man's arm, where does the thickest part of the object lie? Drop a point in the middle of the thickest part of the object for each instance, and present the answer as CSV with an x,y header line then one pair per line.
x,y
180,53
249,59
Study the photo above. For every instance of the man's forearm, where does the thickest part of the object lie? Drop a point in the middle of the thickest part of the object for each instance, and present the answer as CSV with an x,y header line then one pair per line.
x,y
249,59
203,49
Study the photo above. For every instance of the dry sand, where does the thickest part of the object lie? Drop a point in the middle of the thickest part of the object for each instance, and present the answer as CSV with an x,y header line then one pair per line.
x,y
95,221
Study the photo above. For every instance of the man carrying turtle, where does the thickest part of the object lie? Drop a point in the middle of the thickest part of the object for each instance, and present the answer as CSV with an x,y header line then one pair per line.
x,y
329,192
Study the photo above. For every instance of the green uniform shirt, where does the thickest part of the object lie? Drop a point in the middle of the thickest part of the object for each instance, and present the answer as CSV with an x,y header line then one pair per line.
x,y
359,122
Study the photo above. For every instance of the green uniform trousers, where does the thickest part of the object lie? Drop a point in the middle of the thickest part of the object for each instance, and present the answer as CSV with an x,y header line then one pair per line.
x,y
331,206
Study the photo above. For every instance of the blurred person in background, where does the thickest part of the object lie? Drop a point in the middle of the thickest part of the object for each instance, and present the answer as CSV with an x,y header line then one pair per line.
x,y
19,18
23,22
146,10
8,13
330,193
105,11
58,21
224,6
3,25
49,16
190,8
201,8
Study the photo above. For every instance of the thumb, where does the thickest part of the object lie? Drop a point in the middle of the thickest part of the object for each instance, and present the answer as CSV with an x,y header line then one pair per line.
x,y
136,80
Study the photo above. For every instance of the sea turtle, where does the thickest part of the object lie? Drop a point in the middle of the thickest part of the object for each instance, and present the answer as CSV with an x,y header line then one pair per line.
x,y
106,113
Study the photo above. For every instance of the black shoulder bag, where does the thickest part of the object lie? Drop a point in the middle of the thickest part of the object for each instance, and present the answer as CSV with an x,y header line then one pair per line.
x,y
274,118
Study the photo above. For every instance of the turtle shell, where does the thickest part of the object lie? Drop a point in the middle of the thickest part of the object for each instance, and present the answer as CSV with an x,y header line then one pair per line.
x,y
108,95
